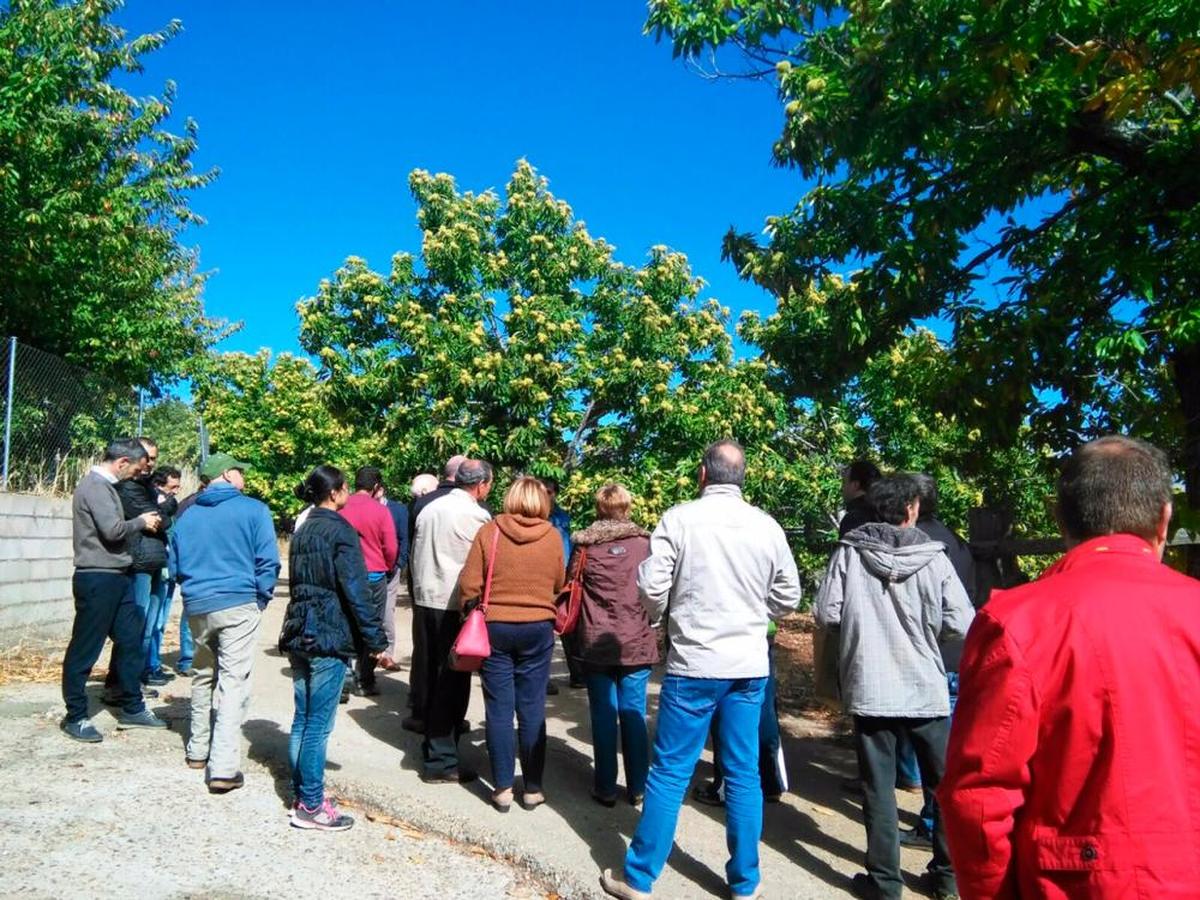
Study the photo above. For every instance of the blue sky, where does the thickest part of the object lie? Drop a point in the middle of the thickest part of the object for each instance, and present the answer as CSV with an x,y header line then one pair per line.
x,y
315,114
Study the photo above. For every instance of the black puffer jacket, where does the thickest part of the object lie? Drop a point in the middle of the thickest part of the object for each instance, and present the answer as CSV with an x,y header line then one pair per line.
x,y
147,548
330,613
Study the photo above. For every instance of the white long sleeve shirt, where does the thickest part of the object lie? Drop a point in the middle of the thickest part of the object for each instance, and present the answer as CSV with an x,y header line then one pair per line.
x,y
719,570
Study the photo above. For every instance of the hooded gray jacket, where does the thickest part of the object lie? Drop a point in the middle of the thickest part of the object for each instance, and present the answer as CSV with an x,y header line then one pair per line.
x,y
895,598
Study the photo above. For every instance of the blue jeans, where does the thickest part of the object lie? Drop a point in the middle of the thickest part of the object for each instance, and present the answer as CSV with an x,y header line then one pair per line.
x,y
685,710
187,645
771,771
158,607
317,686
514,679
617,694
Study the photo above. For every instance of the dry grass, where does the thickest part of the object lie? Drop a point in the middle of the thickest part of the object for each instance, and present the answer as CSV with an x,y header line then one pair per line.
x,y
31,662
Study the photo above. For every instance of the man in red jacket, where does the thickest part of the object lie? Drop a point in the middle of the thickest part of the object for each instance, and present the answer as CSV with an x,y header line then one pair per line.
x,y
1074,760
380,546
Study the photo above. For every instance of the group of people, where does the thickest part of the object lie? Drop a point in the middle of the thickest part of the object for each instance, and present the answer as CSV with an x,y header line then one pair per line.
x,y
1069,699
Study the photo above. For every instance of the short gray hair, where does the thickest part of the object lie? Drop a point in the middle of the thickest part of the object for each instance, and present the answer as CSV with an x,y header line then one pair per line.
x,y
450,472
473,472
725,463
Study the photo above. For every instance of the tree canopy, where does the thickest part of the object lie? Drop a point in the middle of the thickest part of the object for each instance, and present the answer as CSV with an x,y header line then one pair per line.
x,y
1026,171
94,196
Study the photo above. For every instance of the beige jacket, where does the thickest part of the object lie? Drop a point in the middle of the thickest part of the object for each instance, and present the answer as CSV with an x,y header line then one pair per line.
x,y
445,529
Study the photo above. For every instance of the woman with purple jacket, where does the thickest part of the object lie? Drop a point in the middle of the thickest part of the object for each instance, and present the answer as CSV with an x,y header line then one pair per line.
x,y
616,643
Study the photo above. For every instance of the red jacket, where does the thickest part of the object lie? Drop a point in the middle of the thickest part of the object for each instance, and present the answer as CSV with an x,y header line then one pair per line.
x,y
376,531
1074,761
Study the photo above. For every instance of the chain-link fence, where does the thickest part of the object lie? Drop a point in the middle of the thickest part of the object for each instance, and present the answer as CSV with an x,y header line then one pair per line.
x,y
57,418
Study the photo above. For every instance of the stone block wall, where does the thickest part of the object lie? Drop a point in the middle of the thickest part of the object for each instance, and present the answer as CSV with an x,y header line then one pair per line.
x,y
35,568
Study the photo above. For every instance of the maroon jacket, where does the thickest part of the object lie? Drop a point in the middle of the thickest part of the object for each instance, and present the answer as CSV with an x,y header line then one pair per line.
x,y
613,629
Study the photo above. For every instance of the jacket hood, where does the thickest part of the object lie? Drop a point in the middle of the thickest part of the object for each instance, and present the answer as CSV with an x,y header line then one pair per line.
x,y
522,529
604,530
216,494
890,552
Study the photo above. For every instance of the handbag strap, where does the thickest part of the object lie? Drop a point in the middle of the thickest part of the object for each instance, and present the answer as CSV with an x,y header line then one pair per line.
x,y
487,584
580,562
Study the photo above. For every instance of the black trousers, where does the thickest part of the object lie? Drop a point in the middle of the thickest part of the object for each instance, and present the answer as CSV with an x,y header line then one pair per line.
x,y
875,739
418,671
366,664
104,608
448,691
575,669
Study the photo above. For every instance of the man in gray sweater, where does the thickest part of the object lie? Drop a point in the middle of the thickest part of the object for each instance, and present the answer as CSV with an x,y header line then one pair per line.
x,y
104,605
894,598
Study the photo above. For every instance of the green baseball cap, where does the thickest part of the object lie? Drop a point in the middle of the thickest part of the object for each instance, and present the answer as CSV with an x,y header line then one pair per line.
x,y
219,463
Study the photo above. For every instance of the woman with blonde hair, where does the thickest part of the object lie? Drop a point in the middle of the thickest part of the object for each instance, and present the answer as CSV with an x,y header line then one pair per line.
x,y
616,643
527,575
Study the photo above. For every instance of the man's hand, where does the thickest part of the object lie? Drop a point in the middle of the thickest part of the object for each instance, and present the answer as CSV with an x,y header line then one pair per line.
x,y
151,521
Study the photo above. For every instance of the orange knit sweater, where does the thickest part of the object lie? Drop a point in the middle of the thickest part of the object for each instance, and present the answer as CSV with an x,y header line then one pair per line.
x,y
529,570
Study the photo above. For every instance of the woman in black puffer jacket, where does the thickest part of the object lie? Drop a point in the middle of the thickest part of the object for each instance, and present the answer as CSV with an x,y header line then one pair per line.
x,y
329,618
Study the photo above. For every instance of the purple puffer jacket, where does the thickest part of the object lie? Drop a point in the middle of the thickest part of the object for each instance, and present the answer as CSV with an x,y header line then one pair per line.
x,y
613,628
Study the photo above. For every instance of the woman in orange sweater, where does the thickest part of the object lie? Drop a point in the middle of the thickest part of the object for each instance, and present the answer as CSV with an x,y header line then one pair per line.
x,y
527,576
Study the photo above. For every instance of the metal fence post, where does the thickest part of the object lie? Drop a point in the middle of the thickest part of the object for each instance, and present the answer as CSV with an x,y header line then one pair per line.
x,y
8,406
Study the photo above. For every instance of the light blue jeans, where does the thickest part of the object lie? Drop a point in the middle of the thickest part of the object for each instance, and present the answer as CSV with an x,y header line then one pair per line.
x,y
685,710
317,686
158,607
617,696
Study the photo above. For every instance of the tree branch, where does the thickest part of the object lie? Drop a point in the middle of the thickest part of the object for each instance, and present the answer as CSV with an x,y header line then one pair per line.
x,y
1019,236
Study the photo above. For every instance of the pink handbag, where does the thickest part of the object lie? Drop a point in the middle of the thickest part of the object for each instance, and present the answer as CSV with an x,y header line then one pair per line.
x,y
472,645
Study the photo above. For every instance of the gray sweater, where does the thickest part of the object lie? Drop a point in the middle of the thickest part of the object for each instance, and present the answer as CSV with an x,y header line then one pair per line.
x,y
895,598
100,528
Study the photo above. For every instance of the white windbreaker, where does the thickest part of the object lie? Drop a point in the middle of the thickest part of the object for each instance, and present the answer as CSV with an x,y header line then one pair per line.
x,y
719,570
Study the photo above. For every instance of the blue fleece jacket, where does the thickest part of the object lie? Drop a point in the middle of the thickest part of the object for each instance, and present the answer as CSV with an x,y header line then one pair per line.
x,y
223,551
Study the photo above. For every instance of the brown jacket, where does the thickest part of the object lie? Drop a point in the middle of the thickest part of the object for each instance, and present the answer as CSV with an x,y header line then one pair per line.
x,y
613,629
528,573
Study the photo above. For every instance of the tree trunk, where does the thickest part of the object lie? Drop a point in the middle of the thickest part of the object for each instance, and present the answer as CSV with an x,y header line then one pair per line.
x,y
1186,364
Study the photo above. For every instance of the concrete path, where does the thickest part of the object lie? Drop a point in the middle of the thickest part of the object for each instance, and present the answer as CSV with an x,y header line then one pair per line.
x,y
812,843
126,818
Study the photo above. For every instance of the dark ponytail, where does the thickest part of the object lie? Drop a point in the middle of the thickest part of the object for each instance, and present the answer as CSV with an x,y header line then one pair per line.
x,y
320,484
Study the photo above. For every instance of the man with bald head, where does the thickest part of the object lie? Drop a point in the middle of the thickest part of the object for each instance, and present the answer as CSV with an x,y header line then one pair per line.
x,y
446,529
724,569
418,688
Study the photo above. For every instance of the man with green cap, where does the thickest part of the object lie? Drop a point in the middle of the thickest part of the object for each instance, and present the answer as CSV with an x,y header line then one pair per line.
x,y
225,561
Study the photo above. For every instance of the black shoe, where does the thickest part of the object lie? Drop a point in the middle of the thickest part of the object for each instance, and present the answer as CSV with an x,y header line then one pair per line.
x,y
184,671
81,730
704,793
149,693
916,838
454,776
851,785
156,679
367,690
551,689
413,724
861,885
225,785
576,684
345,698
608,802
463,727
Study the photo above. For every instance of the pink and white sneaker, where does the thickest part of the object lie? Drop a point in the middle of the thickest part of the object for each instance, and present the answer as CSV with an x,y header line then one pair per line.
x,y
325,817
